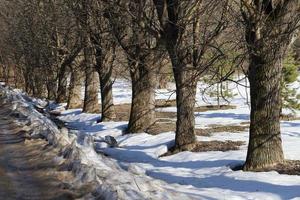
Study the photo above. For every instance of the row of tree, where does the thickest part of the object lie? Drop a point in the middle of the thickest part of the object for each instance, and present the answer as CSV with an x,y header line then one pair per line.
x,y
51,46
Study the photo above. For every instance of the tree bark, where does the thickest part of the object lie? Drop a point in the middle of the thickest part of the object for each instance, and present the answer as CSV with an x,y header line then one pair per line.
x,y
142,114
51,85
184,72
51,90
105,68
107,105
91,103
74,100
185,101
265,146
62,85
268,33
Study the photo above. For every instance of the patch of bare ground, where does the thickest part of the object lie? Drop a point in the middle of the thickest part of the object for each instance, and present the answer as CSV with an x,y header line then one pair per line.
x,y
123,113
214,107
289,117
217,129
245,123
197,109
166,121
161,127
290,167
204,146
123,110
164,115
162,103
167,125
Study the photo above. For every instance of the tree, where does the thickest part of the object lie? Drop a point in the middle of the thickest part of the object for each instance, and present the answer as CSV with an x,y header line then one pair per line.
x,y
82,10
190,30
41,40
105,53
76,84
269,27
130,22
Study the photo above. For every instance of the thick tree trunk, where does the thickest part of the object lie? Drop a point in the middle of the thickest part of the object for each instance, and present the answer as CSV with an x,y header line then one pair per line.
x,y
186,86
51,90
142,114
91,103
74,100
62,85
268,32
51,85
265,146
107,104
104,68
39,89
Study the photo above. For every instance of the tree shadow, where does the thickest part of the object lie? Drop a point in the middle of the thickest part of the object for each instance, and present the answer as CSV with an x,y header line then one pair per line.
x,y
290,124
230,183
134,156
224,115
89,125
292,134
73,112
125,156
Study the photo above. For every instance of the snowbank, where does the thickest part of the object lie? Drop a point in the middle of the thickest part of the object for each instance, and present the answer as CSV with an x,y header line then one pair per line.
x,y
87,166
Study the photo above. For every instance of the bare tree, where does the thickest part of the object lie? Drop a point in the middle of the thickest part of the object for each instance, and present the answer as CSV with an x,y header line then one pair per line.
x,y
190,30
269,27
105,54
82,10
42,45
76,84
130,22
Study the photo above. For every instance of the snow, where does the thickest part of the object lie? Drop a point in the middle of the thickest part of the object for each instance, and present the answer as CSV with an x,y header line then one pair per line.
x,y
88,167
204,175
136,171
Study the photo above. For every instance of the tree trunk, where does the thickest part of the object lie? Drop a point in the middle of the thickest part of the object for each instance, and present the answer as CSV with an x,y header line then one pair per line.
x,y
91,103
185,100
265,146
142,114
104,68
74,100
62,85
39,89
51,86
186,87
51,90
108,109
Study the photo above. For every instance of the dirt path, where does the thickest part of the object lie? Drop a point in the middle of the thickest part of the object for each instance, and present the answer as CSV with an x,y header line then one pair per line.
x,y
28,169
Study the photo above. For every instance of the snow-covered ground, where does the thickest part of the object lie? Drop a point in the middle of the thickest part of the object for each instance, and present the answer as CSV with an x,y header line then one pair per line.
x,y
205,175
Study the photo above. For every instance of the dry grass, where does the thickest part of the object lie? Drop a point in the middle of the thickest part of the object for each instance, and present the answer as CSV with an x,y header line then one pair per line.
x,y
161,103
290,167
166,121
167,125
289,117
227,145
204,146
123,110
217,129
213,107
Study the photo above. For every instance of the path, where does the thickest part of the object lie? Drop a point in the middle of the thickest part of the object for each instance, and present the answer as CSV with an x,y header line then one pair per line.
x,y
28,170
